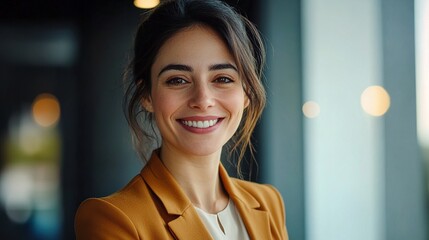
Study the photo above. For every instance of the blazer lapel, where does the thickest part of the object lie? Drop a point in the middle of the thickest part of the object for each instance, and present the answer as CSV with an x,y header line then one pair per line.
x,y
188,226
257,221
184,222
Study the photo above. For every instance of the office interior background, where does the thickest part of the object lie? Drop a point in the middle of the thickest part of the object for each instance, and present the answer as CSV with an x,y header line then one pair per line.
x,y
344,137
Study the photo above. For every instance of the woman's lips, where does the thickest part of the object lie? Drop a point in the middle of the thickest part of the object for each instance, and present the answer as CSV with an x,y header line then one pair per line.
x,y
200,124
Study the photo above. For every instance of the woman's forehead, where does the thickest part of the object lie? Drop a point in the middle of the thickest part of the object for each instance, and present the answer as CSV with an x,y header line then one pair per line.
x,y
194,46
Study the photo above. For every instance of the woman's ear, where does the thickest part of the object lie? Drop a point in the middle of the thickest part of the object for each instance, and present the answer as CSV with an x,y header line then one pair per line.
x,y
246,101
246,97
147,104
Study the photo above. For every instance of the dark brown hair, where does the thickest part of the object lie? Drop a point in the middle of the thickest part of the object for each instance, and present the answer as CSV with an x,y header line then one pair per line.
x,y
240,36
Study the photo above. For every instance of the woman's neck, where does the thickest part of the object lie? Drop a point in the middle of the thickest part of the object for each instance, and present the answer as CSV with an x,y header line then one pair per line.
x,y
199,178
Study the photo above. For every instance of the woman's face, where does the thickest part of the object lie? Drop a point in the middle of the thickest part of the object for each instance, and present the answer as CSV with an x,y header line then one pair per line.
x,y
197,94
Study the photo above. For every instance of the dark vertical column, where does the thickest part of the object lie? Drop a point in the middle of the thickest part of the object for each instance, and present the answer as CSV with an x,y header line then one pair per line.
x,y
281,131
405,187
70,167
106,156
104,160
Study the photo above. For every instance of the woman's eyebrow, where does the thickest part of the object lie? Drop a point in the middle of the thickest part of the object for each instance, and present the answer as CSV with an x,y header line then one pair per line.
x,y
222,66
179,67
182,67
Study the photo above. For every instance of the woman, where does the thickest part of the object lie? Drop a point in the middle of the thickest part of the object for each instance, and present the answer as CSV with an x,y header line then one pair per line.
x,y
196,74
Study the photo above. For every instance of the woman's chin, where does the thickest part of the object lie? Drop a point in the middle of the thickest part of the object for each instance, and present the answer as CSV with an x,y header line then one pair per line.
x,y
200,150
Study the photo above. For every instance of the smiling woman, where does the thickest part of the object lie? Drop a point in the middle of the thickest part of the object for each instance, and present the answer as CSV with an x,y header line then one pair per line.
x,y
198,90
196,76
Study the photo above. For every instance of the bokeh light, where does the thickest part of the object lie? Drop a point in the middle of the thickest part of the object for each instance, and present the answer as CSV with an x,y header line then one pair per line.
x,y
375,101
46,110
146,4
16,188
311,109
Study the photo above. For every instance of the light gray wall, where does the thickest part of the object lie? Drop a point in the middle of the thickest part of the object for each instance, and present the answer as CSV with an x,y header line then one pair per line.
x,y
364,175
344,146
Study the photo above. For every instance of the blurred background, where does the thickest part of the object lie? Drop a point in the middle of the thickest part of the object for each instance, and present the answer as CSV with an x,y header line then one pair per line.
x,y
344,137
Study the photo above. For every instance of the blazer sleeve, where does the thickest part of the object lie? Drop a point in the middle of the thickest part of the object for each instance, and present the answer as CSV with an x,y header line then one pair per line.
x,y
280,216
99,219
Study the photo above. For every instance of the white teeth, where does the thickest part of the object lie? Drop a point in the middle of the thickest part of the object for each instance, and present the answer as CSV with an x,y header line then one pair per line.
x,y
200,124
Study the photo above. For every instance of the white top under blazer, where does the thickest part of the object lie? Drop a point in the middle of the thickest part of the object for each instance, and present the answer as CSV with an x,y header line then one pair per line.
x,y
225,225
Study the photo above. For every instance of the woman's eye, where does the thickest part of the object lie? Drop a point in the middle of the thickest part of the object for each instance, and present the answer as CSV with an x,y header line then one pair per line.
x,y
224,80
176,81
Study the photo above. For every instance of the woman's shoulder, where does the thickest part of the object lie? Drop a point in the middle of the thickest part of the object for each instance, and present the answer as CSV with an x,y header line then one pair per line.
x,y
112,214
102,219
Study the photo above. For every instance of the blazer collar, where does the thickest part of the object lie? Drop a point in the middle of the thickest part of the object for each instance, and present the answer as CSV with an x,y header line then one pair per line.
x,y
177,203
165,186
254,218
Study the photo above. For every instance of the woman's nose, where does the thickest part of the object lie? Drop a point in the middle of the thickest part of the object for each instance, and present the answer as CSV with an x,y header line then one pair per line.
x,y
201,97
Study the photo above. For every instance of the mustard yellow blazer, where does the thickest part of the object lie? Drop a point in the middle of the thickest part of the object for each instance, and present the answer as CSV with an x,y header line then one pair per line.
x,y
153,206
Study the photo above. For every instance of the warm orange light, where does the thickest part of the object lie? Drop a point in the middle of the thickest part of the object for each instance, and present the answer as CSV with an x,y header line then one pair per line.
x,y
146,3
46,110
311,109
375,100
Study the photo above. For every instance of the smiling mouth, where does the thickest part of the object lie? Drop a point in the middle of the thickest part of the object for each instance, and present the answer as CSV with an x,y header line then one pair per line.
x,y
201,124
